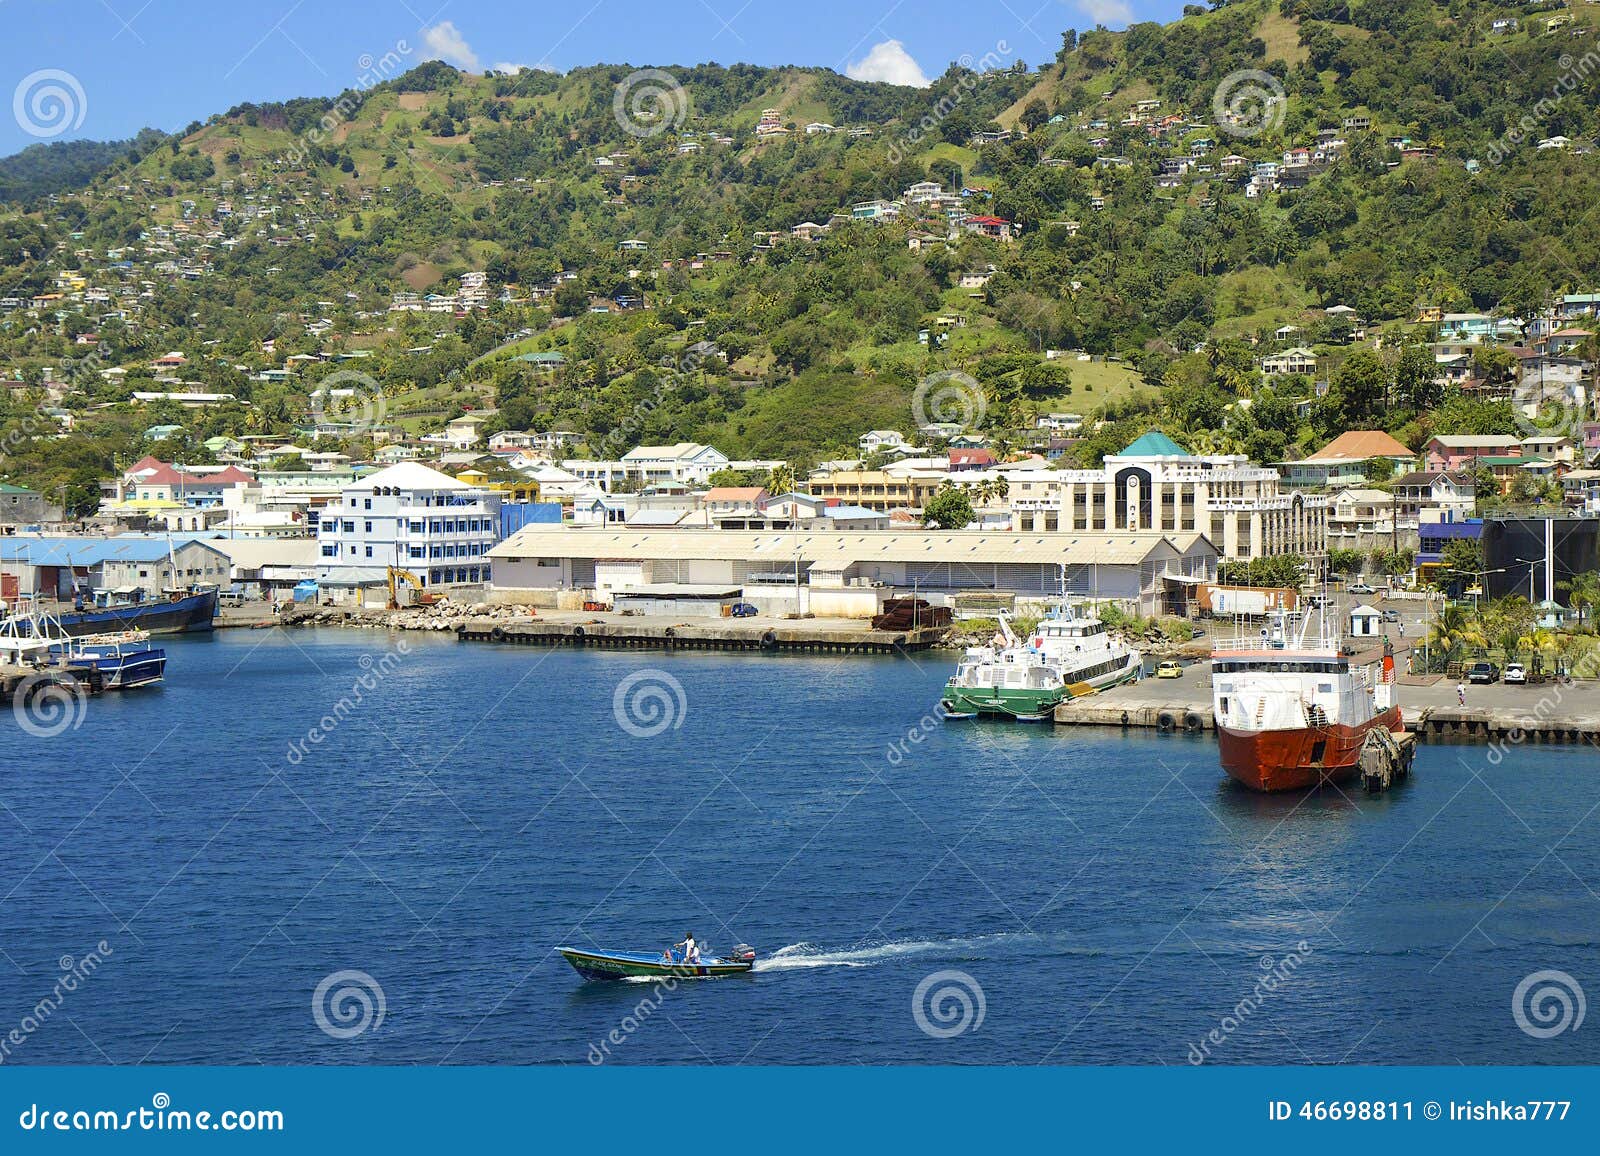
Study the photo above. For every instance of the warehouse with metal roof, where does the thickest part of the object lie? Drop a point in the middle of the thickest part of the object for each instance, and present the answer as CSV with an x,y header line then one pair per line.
x,y
1147,570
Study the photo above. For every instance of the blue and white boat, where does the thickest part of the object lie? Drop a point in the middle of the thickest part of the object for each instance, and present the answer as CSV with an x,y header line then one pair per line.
x,y
125,659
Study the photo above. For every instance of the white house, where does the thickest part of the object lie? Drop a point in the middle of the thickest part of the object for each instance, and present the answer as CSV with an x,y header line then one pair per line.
x,y
687,462
413,517
878,440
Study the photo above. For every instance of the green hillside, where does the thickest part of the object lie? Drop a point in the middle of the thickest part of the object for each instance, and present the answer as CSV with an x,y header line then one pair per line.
x,y
276,230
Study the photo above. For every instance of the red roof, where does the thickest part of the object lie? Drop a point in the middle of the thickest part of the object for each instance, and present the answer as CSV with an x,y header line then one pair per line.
x,y
971,457
987,221
155,472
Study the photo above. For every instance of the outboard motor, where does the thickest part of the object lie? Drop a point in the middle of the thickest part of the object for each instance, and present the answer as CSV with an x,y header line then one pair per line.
x,y
742,953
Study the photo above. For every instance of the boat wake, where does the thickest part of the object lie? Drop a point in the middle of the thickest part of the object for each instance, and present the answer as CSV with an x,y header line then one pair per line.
x,y
798,955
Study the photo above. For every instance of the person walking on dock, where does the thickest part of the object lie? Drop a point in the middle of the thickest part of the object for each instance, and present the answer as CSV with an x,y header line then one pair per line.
x,y
1461,694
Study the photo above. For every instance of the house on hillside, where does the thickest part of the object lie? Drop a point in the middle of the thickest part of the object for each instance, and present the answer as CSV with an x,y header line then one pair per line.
x,y
1296,360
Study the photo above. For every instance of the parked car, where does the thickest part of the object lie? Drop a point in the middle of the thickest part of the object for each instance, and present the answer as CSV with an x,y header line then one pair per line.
x,y
1389,616
1169,669
1361,588
1516,672
1483,672
743,610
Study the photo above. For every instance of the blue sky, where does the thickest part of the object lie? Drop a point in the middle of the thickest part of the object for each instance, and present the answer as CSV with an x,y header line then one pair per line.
x,y
102,69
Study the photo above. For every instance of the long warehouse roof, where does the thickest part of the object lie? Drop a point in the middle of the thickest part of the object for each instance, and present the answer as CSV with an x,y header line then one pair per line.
x,y
931,546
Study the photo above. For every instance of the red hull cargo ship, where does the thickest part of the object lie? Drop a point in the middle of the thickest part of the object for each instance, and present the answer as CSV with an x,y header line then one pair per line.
x,y
1292,713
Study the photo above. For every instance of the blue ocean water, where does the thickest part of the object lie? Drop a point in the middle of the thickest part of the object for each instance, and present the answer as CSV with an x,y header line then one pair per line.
x,y
298,831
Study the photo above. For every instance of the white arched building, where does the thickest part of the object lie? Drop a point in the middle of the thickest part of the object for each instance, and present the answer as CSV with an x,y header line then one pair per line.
x,y
1157,485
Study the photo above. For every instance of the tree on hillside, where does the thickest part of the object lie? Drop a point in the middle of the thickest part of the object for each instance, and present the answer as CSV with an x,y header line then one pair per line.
x,y
1416,382
1356,394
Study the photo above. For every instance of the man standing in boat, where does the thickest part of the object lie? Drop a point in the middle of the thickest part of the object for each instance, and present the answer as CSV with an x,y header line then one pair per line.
x,y
691,950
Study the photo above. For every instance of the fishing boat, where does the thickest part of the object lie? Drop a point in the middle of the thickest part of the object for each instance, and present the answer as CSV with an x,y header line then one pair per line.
x,y
1293,712
1070,653
110,611
125,659
614,965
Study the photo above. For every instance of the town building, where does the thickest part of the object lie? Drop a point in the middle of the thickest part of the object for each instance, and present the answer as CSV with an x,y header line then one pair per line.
x,y
415,518
848,574
1433,496
1345,461
20,506
1156,485
878,489
55,567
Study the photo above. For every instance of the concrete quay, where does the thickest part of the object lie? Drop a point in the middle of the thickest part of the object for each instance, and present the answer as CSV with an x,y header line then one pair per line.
x,y
1549,713
768,635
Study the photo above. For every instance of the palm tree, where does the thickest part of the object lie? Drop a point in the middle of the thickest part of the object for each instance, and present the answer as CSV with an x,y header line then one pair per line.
x,y
1582,591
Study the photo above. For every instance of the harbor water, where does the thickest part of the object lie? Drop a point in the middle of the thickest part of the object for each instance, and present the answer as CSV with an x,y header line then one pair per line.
x,y
357,848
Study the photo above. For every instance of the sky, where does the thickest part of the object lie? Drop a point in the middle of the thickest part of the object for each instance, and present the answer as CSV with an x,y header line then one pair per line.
x,y
103,69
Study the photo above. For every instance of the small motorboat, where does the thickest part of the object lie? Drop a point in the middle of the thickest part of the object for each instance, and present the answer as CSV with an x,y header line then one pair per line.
x,y
657,964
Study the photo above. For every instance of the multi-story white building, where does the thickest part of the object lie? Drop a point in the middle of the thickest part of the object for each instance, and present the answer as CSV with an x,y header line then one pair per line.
x,y
416,518
1155,484
687,463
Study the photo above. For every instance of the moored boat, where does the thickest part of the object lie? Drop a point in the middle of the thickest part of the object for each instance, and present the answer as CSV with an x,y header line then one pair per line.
x,y
614,965
1069,654
1293,713
180,612
125,659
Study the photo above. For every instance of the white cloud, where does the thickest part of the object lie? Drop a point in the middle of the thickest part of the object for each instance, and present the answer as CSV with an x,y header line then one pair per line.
x,y
888,63
1107,12
508,69
444,41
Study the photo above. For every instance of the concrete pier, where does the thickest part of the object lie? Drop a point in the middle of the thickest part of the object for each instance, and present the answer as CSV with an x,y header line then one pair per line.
x,y
1553,713
803,636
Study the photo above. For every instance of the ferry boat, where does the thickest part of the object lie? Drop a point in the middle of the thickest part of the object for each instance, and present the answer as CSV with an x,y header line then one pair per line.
x,y
1069,654
1293,712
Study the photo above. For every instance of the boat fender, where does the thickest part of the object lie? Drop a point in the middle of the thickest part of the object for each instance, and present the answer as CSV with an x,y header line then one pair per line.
x,y
1193,723
1124,719
1165,721
577,633
498,634
769,640
670,632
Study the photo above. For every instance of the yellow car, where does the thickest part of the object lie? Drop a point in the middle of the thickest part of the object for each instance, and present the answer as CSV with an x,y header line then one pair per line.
x,y
1169,670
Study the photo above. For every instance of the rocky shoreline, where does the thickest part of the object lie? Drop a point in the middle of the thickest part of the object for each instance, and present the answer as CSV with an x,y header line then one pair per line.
x,y
443,616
